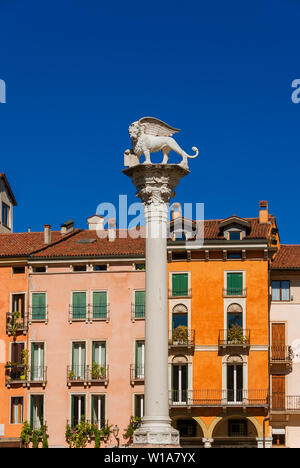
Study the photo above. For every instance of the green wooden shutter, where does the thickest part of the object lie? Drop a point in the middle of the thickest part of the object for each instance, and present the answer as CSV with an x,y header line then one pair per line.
x,y
79,305
38,306
31,411
234,284
100,305
72,411
139,310
180,284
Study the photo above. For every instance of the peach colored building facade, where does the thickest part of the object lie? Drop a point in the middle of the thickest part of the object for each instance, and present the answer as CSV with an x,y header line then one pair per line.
x,y
72,336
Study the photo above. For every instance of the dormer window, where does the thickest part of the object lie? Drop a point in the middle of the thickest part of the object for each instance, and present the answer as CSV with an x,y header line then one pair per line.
x,y
5,215
180,236
234,235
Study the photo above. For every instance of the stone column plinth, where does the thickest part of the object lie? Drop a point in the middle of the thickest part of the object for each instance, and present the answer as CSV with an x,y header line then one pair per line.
x,y
155,184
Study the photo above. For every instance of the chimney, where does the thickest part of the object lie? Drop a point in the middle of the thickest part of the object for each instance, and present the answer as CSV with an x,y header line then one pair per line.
x,y
47,234
176,211
95,223
263,212
111,229
67,227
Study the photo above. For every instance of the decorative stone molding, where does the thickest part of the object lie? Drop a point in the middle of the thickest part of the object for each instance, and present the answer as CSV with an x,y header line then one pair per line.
x,y
155,183
207,442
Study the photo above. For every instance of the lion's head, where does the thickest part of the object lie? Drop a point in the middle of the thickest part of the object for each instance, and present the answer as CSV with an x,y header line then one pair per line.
x,y
135,130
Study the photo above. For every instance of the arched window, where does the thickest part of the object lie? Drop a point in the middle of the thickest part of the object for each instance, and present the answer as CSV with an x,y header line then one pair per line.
x,y
179,316
234,316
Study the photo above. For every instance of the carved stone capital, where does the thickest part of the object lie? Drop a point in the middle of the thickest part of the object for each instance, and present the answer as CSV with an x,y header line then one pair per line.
x,y
155,183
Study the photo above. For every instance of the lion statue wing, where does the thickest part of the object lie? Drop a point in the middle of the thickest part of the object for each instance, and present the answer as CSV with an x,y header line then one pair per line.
x,y
157,127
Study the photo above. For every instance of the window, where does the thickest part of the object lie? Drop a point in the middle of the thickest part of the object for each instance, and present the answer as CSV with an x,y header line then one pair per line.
x,y
78,361
79,268
280,290
37,362
38,306
138,406
278,439
234,255
180,320
79,305
17,371
234,316
41,269
179,383
139,304
5,214
18,270
98,411
78,409
36,411
99,360
100,267
16,410
180,284
180,236
234,383
234,284
237,428
234,235
139,359
179,256
99,305
187,427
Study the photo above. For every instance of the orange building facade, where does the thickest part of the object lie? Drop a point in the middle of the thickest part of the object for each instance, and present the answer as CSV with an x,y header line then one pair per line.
x,y
219,371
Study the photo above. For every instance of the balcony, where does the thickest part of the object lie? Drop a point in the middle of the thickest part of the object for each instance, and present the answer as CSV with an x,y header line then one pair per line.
x,y
234,292
138,312
86,375
38,314
37,375
182,338
176,294
219,398
281,359
235,338
136,374
285,404
90,313
16,374
16,323
20,374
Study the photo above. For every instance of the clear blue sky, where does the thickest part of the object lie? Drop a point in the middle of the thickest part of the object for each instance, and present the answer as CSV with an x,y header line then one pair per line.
x,y
78,72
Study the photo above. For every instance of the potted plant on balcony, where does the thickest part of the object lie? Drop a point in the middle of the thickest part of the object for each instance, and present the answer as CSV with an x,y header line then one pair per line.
x,y
25,358
71,375
180,335
235,335
95,371
103,372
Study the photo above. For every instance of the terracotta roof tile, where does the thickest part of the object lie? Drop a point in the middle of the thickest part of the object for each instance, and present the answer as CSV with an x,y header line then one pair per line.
x,y
288,258
24,243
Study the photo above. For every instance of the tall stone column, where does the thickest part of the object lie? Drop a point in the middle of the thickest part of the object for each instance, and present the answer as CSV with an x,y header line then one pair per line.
x,y
155,184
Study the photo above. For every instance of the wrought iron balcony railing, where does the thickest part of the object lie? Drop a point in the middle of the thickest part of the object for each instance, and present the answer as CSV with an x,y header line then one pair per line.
x,y
22,374
234,292
282,403
37,374
87,374
137,374
182,337
16,374
16,323
88,313
38,314
234,337
174,293
138,311
281,353
219,398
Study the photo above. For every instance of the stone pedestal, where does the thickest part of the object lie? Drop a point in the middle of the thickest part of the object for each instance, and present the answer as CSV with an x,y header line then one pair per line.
x,y
155,184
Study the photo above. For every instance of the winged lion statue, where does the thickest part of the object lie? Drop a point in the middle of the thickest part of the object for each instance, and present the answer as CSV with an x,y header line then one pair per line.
x,y
149,135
